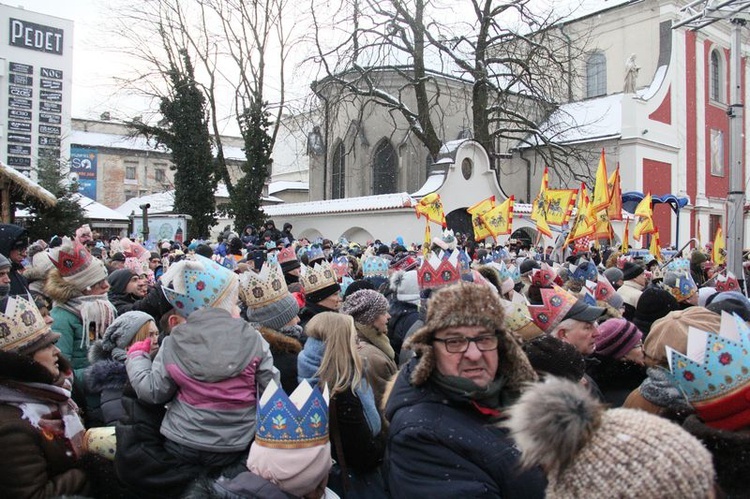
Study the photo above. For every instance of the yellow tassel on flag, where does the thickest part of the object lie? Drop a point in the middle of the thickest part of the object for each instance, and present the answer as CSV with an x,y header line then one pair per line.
x,y
601,189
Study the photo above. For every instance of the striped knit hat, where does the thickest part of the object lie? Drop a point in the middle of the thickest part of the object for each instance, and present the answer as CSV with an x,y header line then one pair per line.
x,y
617,337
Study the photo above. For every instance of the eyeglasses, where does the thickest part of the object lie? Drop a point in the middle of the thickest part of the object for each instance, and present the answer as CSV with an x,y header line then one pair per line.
x,y
460,344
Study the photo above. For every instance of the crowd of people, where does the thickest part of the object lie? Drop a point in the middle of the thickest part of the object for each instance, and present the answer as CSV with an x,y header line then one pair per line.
x,y
265,366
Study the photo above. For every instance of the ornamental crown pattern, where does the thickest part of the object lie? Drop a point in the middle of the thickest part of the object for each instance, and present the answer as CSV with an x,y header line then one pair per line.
x,y
286,255
297,421
437,271
318,277
21,324
679,266
375,266
340,266
556,302
584,271
727,282
544,276
195,283
265,287
684,286
70,258
714,373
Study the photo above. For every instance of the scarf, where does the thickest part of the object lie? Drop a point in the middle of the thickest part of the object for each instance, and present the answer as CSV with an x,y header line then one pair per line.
x,y
308,363
94,309
488,402
47,408
295,332
376,338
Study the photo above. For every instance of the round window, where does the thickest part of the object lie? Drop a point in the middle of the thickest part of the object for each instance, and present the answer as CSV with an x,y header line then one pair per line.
x,y
466,168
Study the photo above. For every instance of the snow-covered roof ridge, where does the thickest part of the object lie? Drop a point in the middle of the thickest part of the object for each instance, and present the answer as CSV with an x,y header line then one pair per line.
x,y
284,185
364,203
433,183
97,211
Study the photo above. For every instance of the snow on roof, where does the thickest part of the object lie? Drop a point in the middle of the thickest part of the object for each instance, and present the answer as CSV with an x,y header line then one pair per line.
x,y
138,143
286,185
161,202
365,203
650,91
590,119
432,184
97,211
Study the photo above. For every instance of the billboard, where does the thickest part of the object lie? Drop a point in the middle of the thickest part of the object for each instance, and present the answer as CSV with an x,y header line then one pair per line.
x,y
83,164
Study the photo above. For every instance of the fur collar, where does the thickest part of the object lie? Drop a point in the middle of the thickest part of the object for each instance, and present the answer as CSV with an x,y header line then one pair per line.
x,y
278,342
58,289
106,374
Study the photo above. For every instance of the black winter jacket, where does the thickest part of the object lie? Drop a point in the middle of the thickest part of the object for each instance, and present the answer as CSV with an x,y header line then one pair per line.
x,y
108,378
440,448
403,316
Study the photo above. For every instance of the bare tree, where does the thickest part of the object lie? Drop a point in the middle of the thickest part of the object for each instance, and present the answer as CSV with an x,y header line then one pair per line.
x,y
517,62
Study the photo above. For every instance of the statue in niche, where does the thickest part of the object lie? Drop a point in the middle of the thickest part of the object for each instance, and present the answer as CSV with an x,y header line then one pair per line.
x,y
631,75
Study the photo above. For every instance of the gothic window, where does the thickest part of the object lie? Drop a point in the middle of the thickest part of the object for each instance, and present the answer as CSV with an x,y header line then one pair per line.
x,y
717,80
596,75
384,174
338,174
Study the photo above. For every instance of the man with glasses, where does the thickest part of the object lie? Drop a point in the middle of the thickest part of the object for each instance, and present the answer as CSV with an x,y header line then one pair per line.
x,y
444,440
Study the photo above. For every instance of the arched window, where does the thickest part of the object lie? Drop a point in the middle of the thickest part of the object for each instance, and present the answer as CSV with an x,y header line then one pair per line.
x,y
596,75
384,174
338,172
717,80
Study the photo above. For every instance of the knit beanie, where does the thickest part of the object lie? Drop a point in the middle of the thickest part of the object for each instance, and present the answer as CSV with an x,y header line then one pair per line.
x,y
631,270
119,279
275,315
616,338
4,262
672,331
469,304
406,286
549,355
76,265
588,451
653,304
365,306
613,274
118,337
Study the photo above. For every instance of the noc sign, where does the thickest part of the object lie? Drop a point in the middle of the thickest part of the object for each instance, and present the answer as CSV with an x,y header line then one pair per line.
x,y
33,36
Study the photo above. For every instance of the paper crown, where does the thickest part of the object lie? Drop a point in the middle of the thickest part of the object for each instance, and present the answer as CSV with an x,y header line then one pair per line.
x,y
515,273
602,289
447,241
297,421
345,282
679,265
375,266
407,262
498,256
727,282
518,319
71,257
437,272
543,277
132,248
266,287
556,303
196,283
270,245
584,271
22,325
714,374
315,253
464,265
681,285
318,277
588,293
286,255
340,266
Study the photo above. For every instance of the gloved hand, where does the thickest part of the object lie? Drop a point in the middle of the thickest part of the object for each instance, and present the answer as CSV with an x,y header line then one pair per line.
x,y
140,346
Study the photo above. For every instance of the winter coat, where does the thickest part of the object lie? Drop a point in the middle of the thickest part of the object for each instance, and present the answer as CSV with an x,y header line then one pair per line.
x,y
9,234
212,368
141,462
287,234
71,344
19,285
437,448
154,303
284,350
403,316
246,485
616,378
379,366
107,378
363,451
33,464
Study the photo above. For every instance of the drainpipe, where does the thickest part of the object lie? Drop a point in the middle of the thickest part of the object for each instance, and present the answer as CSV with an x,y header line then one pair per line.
x,y
570,62
528,176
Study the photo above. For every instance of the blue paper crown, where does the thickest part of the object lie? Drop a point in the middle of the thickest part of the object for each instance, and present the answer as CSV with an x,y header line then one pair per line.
x,y
584,271
375,266
515,273
714,374
684,286
195,283
297,421
464,266
503,271
315,253
679,265
345,282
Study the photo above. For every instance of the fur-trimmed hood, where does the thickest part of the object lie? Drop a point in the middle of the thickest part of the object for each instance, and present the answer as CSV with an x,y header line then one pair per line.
x,y
279,342
106,374
58,289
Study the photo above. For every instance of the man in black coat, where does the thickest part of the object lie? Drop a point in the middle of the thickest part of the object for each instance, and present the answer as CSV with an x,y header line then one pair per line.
x,y
13,243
